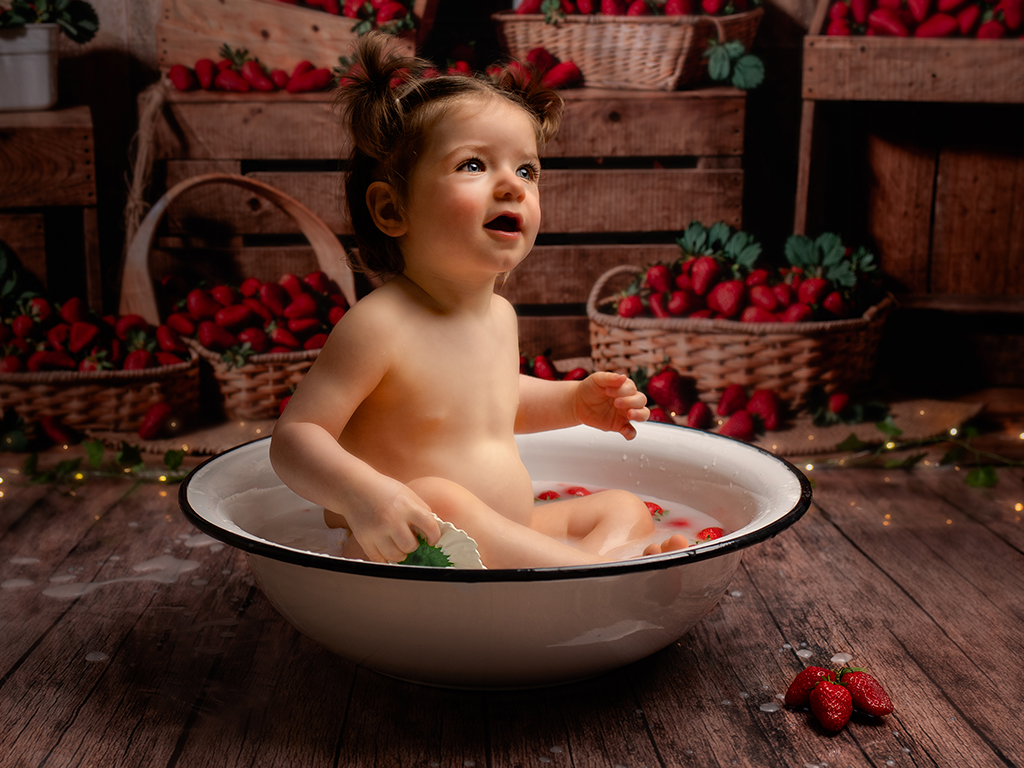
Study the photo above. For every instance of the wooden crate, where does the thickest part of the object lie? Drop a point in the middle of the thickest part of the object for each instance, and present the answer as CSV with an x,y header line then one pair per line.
x,y
48,199
861,68
627,174
279,34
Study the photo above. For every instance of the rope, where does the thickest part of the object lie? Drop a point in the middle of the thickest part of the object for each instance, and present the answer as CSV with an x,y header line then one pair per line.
x,y
151,102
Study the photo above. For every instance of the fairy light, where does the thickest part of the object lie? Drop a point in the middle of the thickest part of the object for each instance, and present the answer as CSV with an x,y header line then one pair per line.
x,y
890,445
953,432
127,470
809,467
1018,507
162,478
79,476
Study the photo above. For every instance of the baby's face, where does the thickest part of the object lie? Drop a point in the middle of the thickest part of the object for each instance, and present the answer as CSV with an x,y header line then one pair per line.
x,y
473,207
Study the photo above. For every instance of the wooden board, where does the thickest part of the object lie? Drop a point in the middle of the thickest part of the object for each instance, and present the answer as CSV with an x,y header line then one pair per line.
x,y
25,237
47,158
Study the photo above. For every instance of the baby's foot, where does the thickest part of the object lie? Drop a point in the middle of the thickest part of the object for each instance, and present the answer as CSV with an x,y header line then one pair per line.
x,y
671,544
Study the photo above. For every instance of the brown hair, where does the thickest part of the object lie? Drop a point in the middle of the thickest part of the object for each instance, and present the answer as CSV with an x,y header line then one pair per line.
x,y
390,106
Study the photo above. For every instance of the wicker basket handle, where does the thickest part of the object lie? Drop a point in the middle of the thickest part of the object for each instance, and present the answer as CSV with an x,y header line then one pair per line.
x,y
137,294
595,292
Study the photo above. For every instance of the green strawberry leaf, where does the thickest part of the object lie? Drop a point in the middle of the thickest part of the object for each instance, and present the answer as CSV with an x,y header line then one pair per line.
x,y
735,49
982,477
799,250
718,235
427,555
747,72
719,63
94,451
852,444
952,456
128,455
830,249
842,274
908,463
888,427
694,238
173,458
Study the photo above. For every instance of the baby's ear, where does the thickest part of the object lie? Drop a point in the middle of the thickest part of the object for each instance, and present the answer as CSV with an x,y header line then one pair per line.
x,y
382,201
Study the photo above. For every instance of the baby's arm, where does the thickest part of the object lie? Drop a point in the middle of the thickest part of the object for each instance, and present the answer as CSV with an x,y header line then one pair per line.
x,y
383,514
604,400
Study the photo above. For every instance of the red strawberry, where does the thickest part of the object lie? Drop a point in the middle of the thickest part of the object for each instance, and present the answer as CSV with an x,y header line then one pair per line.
x,y
255,338
679,8
334,314
655,509
206,71
837,402
529,6
657,303
799,692
831,705
228,79
838,27
201,305
225,295
390,12
757,277
259,308
182,78
727,297
320,282
733,399
314,80
543,369
796,313
835,304
668,389
1013,13
812,290
586,6
283,404
40,310
867,693
967,18
253,71
764,297
919,9
167,358
302,305
234,317
169,341
885,21
303,327
50,360
155,420
703,274
613,7
11,364
282,337
758,315
638,8
565,74
55,430
699,416
659,278
576,374
57,336
138,359
81,336
630,306
764,404
215,337
658,414
992,29
683,280
23,326
712,7
74,310
683,303
739,425
316,341
275,298
128,324
250,287
783,294
711,533
576,490
182,323
541,59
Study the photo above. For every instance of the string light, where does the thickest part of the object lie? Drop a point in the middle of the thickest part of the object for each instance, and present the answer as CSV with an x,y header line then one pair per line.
x,y
809,467
953,431
890,445
1018,507
79,476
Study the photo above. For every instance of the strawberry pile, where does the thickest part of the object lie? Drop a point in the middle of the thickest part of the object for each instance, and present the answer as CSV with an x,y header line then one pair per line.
x,y
554,10
833,696
392,16
717,276
256,317
36,335
554,73
237,72
542,367
981,19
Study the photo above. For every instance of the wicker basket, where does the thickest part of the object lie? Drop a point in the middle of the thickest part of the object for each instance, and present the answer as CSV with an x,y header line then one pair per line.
x,y
654,53
789,358
255,390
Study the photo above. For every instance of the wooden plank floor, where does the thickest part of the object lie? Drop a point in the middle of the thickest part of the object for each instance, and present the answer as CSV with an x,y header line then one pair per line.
x,y
916,575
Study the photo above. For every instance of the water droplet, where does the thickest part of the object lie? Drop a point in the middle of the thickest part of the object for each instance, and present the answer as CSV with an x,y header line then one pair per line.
x,y
736,593
556,750
841,658
771,706
16,583
726,703
96,656
805,654
23,560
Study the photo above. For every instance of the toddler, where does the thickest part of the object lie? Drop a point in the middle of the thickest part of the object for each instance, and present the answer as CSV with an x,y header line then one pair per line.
x,y
409,413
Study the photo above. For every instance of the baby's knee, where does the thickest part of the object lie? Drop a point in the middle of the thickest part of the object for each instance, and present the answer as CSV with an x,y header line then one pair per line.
x,y
629,504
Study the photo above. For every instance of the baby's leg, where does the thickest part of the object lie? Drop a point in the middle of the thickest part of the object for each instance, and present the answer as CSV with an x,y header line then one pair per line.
x,y
602,523
502,542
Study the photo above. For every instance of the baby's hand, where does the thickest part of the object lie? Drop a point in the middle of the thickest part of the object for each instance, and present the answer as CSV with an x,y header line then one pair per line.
x,y
610,401
388,526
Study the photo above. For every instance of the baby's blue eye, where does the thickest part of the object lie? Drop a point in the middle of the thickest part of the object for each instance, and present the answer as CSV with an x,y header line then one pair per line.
x,y
473,166
528,172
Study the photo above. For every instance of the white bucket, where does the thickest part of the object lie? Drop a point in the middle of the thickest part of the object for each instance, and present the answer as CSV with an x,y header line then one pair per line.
x,y
28,67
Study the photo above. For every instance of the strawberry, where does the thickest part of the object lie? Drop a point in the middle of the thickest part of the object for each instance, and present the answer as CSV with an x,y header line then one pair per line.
x,y
225,295
658,414
391,11
683,303
282,337
837,402
657,304
55,430
796,313
234,317
182,323
320,282
679,8
938,25
710,534
758,315
167,358
543,369
838,28
254,73
11,363
182,78
314,80
764,404
967,18
831,705
764,297
304,66
169,341
992,29
659,278
703,274
919,9
250,287
275,298
757,276
529,6
50,360
727,297
81,336
255,338
23,326
541,59
304,327
835,303
638,8
576,374
654,509
613,7
586,6
283,404
57,336
867,693
948,6
812,290
155,420
799,692
206,71
699,416
74,310
668,389
40,310
201,305
576,490
783,294
259,308
228,79
138,359
127,324
302,305
1013,13
565,74
316,341
739,425
887,22
860,10
733,399
630,306
334,314
215,337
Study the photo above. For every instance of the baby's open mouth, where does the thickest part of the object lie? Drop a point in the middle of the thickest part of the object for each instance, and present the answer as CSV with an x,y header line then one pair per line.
x,y
504,223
